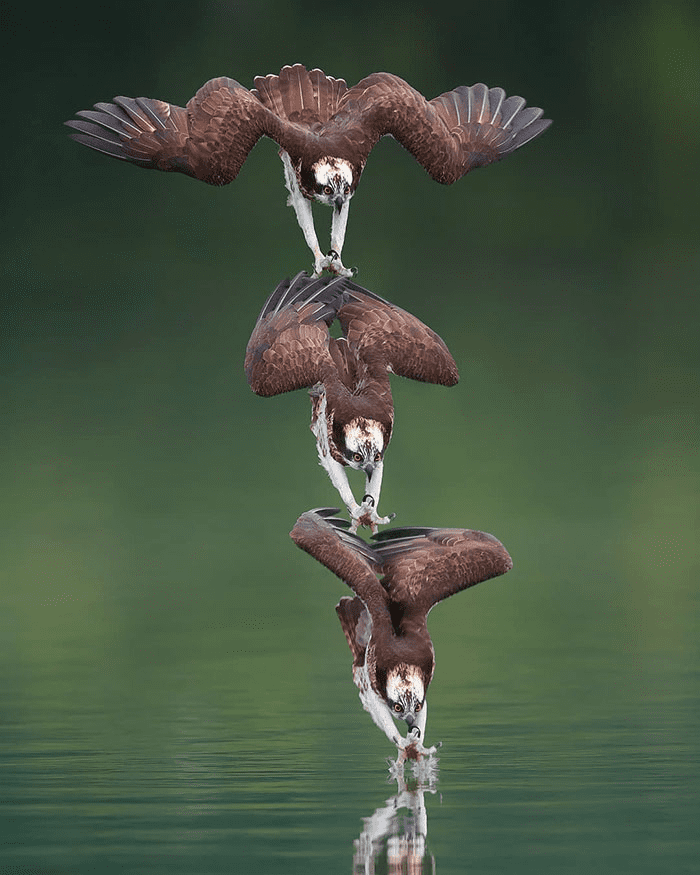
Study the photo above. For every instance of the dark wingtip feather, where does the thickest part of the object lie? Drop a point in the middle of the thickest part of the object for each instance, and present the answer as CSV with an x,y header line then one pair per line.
x,y
325,511
325,516
100,141
403,532
532,130
303,289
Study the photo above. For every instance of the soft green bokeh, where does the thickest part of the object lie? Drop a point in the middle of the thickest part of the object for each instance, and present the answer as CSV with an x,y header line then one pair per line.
x,y
176,691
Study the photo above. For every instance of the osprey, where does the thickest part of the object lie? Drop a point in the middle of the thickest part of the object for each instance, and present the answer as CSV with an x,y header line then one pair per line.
x,y
325,131
385,623
348,377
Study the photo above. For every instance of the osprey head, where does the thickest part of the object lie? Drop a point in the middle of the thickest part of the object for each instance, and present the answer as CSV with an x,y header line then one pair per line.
x,y
405,693
332,182
363,444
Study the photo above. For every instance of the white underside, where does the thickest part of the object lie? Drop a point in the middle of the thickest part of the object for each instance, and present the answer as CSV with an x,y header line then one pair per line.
x,y
336,471
375,706
333,468
305,218
380,713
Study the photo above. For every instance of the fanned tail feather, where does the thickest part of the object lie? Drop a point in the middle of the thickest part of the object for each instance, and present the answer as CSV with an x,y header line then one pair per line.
x,y
356,625
299,95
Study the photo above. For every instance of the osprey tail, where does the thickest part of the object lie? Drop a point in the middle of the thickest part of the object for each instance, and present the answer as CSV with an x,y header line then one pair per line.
x,y
300,96
357,626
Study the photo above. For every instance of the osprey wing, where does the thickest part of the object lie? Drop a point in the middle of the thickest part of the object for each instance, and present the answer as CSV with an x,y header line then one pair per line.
x,y
347,556
423,566
288,348
450,135
209,140
375,327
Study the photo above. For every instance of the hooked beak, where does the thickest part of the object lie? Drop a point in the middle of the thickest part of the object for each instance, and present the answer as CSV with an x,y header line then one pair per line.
x,y
339,201
410,722
368,468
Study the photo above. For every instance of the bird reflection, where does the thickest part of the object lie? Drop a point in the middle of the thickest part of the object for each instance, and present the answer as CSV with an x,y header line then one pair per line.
x,y
394,837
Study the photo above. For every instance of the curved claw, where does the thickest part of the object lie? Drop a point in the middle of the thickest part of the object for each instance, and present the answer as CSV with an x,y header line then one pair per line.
x,y
333,264
365,515
411,749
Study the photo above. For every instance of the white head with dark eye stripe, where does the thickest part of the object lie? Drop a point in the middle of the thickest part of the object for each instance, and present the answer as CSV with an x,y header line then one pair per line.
x,y
364,444
333,182
405,693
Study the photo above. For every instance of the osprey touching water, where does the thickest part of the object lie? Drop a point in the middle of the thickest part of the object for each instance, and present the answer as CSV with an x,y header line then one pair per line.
x,y
348,377
385,624
324,129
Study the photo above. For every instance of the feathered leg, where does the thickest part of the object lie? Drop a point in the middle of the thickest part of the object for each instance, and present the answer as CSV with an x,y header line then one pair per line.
x,y
302,208
338,225
364,514
305,218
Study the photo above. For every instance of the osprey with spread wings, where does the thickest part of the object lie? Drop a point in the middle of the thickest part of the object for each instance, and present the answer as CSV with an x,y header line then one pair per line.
x,y
385,624
324,129
348,377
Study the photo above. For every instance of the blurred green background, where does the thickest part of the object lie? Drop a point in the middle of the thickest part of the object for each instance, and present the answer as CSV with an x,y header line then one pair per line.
x,y
147,494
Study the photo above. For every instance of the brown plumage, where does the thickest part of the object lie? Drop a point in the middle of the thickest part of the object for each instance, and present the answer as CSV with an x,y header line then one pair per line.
x,y
326,129
385,624
352,408
311,115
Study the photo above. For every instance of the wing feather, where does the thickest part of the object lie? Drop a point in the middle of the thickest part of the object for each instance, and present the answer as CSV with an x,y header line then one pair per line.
x,y
289,346
208,140
423,566
348,557
411,349
449,135
211,138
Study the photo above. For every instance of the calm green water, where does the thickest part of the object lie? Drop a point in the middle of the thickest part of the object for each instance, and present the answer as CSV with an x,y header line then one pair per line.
x,y
160,756
175,689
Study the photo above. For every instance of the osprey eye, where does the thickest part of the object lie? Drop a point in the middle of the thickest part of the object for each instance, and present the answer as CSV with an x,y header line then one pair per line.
x,y
347,189
327,189
378,457
418,707
397,707
357,457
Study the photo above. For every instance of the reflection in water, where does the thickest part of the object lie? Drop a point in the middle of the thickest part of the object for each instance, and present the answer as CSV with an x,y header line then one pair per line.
x,y
398,829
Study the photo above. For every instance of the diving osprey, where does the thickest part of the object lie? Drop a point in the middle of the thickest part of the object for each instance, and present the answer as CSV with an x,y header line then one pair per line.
x,y
385,623
348,377
325,131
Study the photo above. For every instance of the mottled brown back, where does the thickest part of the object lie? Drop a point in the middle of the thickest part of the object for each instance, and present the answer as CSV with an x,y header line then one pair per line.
x,y
423,566
411,349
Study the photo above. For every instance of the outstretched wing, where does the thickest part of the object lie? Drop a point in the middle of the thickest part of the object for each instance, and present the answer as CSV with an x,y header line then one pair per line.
x,y
411,349
209,140
450,135
423,566
347,556
288,348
